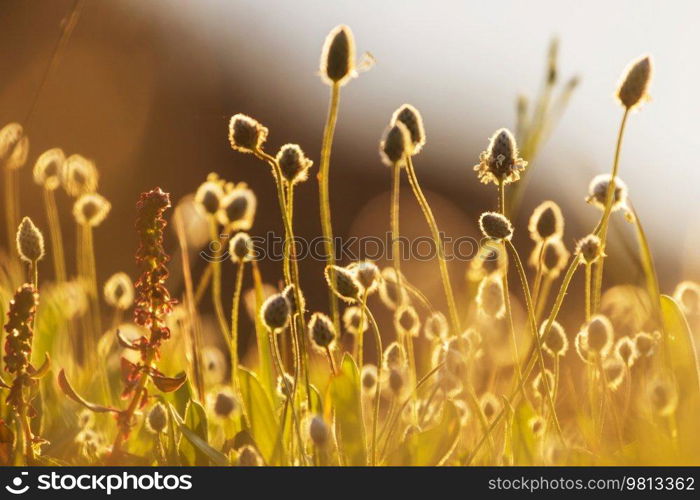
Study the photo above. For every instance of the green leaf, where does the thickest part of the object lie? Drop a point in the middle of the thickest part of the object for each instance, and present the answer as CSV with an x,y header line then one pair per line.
x,y
195,430
522,439
260,414
683,361
432,446
261,334
346,397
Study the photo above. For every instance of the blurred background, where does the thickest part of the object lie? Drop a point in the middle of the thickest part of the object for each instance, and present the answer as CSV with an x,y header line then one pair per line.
x,y
146,88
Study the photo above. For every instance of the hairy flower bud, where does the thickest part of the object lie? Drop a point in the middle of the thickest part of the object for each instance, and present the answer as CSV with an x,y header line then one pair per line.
x,y
246,134
338,56
30,241
495,226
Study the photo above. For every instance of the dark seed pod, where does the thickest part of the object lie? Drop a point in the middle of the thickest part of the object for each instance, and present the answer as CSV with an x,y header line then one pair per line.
x,y
546,222
30,241
290,294
293,163
224,404
495,226
501,162
321,331
275,312
157,418
395,144
240,248
413,121
589,249
246,134
635,83
338,56
319,431
343,283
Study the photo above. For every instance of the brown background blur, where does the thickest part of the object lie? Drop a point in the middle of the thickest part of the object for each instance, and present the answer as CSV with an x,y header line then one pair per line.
x,y
146,88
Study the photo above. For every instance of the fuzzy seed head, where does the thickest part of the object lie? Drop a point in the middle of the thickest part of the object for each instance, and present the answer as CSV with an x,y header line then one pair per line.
x,y
396,381
343,283
589,249
490,259
91,209
489,297
645,343
224,404
436,327
555,343
598,192
209,194
367,274
246,134
395,144
338,56
293,163
240,248
368,377
546,222
30,241
237,209
119,291
48,168
626,351
413,121
406,321
495,226
500,163
322,332
687,294
352,320
394,356
543,384
490,405
14,146
391,294
614,372
79,176
663,397
598,335
275,312
157,419
554,257
249,457
319,432
634,85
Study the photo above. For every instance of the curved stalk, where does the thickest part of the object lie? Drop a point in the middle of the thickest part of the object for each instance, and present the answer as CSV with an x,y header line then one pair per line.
x,y
609,198
324,195
233,341
59,263
430,219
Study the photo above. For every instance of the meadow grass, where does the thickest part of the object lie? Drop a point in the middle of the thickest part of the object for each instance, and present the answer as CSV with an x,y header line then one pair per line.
x,y
133,373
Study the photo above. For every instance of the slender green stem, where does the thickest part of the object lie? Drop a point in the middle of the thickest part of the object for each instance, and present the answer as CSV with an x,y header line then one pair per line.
x,y
533,326
380,351
59,263
609,199
395,234
360,340
324,194
233,342
289,240
430,219
588,292
10,210
216,281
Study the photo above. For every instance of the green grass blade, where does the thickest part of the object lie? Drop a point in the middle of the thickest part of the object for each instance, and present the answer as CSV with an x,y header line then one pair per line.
x,y
346,399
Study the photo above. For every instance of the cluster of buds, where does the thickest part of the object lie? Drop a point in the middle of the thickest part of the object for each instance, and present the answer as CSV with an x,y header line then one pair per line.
x,y
152,307
18,353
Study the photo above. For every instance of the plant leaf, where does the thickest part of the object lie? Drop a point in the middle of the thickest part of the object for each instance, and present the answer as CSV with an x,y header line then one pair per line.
x,y
168,384
264,354
195,429
261,415
432,446
522,439
70,392
347,401
42,370
684,364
